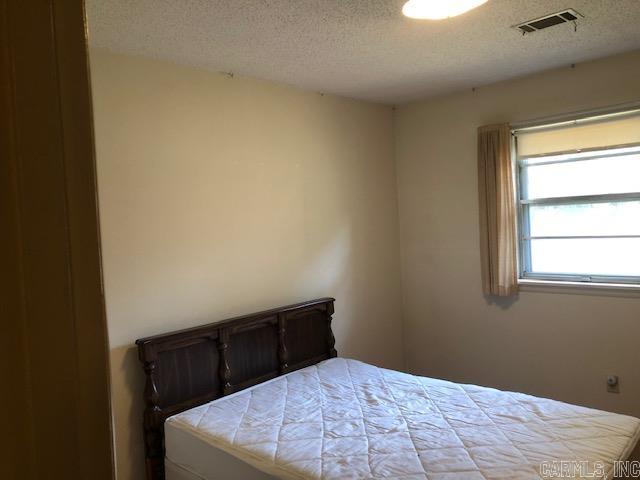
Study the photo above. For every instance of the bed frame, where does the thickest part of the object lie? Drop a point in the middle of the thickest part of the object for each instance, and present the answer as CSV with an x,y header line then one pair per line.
x,y
191,367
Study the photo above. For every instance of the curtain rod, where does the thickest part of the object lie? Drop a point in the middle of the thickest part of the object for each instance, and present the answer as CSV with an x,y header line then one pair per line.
x,y
597,114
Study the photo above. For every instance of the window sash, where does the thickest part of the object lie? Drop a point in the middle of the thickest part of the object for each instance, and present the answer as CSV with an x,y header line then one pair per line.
x,y
524,236
526,272
582,199
567,277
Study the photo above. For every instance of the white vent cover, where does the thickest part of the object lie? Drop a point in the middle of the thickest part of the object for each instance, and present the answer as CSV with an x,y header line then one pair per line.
x,y
569,15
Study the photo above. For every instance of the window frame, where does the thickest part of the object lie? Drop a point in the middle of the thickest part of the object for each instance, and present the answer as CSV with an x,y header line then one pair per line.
x,y
524,237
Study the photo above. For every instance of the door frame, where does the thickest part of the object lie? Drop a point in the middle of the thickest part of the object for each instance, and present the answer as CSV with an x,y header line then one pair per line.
x,y
53,336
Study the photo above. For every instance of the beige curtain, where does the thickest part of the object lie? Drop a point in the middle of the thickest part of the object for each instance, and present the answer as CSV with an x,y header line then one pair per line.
x,y
497,211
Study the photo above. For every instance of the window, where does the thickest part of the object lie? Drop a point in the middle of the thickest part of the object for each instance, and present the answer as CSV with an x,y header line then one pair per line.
x,y
578,189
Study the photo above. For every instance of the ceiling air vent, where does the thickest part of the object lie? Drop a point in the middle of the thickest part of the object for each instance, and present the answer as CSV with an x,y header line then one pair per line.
x,y
565,16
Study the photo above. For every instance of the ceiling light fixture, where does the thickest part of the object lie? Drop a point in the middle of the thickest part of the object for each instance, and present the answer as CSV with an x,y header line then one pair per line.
x,y
438,9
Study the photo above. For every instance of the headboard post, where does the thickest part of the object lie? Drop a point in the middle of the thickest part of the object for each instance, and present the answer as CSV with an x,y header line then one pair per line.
x,y
188,368
225,371
283,354
332,339
153,422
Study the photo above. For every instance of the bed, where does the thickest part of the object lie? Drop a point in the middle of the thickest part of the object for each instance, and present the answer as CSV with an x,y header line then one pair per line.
x,y
264,396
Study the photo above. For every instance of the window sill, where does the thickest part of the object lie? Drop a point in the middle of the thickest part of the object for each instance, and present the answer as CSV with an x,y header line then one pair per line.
x,y
586,288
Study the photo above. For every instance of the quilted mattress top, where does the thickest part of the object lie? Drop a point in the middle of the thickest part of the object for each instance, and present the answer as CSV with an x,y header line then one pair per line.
x,y
347,419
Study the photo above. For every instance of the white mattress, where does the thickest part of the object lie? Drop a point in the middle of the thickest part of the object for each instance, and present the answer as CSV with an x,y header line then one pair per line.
x,y
346,419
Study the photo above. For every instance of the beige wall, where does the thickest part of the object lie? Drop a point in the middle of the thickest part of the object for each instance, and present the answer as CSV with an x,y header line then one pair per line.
x,y
551,343
221,196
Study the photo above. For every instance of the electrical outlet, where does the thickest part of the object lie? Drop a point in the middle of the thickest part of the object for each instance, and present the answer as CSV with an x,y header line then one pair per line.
x,y
613,384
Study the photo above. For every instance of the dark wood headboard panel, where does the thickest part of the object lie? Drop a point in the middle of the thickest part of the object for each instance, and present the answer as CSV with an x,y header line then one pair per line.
x,y
190,367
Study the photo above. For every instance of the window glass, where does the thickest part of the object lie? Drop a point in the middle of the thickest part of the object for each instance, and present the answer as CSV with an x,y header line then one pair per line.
x,y
589,256
619,174
615,218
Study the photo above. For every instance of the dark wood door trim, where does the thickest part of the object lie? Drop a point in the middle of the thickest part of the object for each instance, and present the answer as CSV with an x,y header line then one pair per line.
x,y
51,277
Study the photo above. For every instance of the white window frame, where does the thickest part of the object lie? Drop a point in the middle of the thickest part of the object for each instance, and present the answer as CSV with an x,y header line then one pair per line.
x,y
522,204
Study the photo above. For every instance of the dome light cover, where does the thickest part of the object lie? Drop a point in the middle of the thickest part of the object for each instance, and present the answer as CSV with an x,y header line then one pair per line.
x,y
438,9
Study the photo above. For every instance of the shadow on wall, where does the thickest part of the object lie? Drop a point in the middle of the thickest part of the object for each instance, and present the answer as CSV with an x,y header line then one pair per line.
x,y
332,267
128,406
503,302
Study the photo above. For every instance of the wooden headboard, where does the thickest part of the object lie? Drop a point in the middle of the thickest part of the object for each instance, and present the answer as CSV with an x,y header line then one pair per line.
x,y
190,367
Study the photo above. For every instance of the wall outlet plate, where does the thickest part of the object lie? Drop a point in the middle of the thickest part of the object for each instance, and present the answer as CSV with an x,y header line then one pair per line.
x,y
613,384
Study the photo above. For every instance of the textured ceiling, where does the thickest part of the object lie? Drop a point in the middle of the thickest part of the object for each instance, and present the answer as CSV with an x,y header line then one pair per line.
x,y
362,48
